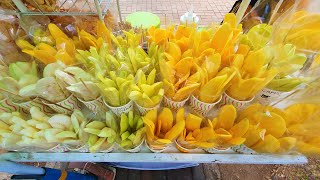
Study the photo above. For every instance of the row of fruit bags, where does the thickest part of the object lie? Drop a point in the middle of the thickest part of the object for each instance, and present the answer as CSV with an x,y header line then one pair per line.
x,y
257,129
188,87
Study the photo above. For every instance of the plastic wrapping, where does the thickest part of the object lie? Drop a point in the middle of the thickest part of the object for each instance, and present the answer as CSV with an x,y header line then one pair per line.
x,y
268,11
299,27
9,32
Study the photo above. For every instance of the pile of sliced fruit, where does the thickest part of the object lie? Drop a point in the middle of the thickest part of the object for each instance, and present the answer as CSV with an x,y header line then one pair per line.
x,y
41,130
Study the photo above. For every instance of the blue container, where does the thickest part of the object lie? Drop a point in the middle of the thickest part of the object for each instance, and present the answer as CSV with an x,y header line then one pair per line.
x,y
54,174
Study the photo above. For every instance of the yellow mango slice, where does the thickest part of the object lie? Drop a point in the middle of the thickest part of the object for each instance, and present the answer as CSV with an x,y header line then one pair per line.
x,y
244,89
253,63
64,57
103,31
166,118
219,40
148,90
180,115
240,129
151,31
231,19
204,36
174,50
183,67
181,80
43,46
187,53
195,78
27,51
253,135
226,117
250,110
223,135
193,122
44,57
205,134
190,137
308,149
238,61
162,141
243,49
203,74
146,101
56,32
236,141
88,42
183,44
112,96
274,124
298,113
66,45
270,144
185,92
176,130
202,47
208,121
287,143
167,72
183,31
151,77
23,44
208,52
158,127
212,65
214,123
170,59
150,129
268,75
160,36
196,133
151,115
212,90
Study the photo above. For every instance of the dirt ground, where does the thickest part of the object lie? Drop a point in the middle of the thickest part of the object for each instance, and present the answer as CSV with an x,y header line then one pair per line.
x,y
259,172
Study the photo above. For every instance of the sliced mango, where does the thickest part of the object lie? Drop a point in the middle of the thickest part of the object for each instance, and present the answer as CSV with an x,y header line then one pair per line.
x,y
226,117
193,122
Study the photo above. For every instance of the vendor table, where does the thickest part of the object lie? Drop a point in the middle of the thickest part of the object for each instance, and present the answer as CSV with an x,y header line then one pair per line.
x,y
155,157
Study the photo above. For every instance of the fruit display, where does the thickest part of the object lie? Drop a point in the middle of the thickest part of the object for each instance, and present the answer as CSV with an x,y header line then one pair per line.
x,y
117,88
131,131
263,137
253,75
18,80
162,128
221,132
41,131
287,61
147,93
93,90
102,135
